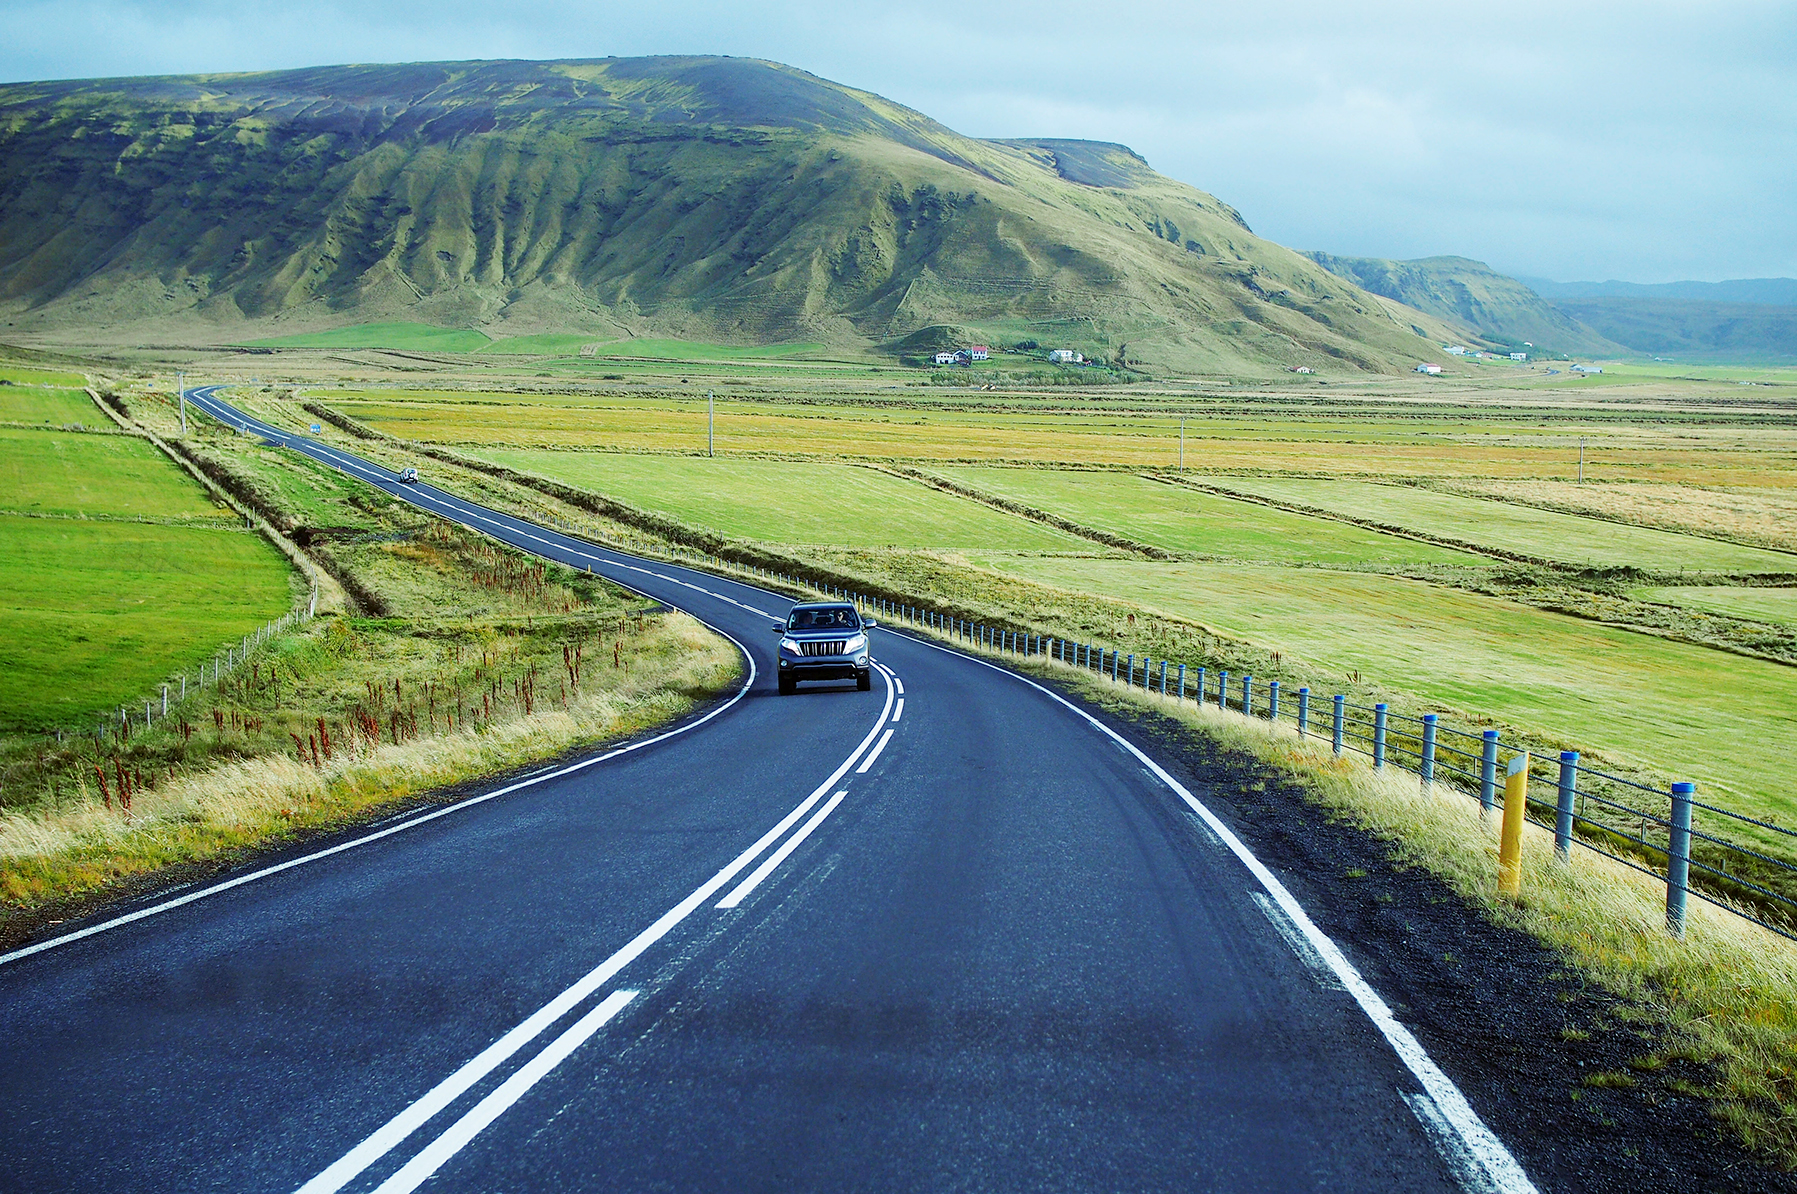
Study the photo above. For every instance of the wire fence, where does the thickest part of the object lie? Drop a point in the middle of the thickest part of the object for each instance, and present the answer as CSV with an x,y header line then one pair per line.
x,y
173,693
1661,831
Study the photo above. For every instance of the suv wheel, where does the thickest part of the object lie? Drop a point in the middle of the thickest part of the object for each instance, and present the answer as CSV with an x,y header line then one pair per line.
x,y
865,681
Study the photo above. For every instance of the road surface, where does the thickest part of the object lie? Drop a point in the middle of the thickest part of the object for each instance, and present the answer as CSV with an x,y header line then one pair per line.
x,y
949,934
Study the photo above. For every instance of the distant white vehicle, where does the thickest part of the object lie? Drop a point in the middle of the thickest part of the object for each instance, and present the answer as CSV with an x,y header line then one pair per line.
x,y
408,476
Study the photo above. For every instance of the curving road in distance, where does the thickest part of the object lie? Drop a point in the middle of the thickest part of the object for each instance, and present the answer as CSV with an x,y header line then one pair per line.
x,y
950,934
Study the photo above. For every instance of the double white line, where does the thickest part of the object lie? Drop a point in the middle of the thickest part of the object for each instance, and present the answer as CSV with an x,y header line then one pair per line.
x,y
433,1156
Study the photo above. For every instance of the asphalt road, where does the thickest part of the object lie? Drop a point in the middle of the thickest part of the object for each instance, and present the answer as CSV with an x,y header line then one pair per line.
x,y
950,934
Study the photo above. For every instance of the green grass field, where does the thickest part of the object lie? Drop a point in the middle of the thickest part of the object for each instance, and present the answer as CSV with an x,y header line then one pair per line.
x,y
1569,538
1724,720
403,337
48,472
1186,520
95,613
41,377
31,403
798,503
1760,604
695,350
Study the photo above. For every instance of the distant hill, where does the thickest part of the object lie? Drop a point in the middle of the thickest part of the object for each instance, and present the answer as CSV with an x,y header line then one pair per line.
x,y
1775,292
1486,303
705,198
1692,329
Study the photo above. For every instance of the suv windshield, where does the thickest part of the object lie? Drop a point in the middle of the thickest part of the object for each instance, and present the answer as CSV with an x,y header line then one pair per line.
x,y
836,617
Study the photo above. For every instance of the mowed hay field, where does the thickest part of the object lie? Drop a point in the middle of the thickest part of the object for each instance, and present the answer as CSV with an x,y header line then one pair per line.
x,y
955,427
1740,601
1765,516
1682,710
1507,526
793,501
95,613
1180,519
36,402
96,473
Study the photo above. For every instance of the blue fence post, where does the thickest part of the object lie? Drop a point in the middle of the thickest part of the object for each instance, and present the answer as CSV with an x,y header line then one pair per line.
x,y
1116,662
1426,767
1488,773
1379,712
1336,735
1569,785
1678,857
1273,702
1163,677
1248,696
1222,689
1303,711
1129,677
1201,686
1182,681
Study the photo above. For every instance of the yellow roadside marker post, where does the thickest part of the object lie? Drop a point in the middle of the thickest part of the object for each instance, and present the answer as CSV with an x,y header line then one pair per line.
x,y
1516,800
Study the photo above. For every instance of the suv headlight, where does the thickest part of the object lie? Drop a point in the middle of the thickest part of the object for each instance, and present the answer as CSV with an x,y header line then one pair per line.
x,y
790,646
854,645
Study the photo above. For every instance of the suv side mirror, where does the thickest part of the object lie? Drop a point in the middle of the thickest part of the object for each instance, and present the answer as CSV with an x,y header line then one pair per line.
x,y
869,624
779,628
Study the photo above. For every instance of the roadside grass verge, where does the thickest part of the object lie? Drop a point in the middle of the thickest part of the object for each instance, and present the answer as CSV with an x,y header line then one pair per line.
x,y
83,845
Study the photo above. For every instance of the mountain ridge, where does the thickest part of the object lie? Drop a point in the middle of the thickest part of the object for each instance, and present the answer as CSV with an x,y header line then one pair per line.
x,y
702,197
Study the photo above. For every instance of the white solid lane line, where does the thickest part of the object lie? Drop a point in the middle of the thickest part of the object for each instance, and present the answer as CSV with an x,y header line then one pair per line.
x,y
779,856
451,1088
431,1158
1502,1171
898,710
875,752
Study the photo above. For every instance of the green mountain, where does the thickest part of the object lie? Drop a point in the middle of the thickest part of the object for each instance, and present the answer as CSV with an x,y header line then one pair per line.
x,y
1485,303
704,198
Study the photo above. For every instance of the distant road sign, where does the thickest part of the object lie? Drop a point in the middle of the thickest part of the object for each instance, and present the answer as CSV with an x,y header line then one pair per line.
x,y
316,429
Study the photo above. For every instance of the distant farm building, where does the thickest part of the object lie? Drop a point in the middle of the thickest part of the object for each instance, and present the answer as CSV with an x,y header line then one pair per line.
x,y
1066,356
979,352
945,358
1586,369
1455,350
1519,356
1430,369
1299,369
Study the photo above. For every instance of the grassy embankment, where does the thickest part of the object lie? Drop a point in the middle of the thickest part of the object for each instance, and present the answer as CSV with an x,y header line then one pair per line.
x,y
481,659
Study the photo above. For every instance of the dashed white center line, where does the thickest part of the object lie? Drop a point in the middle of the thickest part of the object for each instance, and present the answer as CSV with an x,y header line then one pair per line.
x,y
898,710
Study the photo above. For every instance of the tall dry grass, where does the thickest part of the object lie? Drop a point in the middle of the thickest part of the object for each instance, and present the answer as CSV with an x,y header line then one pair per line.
x,y
83,846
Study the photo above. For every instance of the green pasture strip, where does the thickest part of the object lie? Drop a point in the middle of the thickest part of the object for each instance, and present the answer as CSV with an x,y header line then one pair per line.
x,y
93,614
402,337
696,350
797,503
1569,538
1726,721
21,403
548,344
1186,520
54,472
1759,604
41,377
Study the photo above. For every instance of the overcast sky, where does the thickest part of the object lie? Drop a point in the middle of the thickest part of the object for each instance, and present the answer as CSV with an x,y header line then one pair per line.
x,y
1641,141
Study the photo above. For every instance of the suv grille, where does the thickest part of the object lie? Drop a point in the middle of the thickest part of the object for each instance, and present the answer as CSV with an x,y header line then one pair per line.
x,y
826,647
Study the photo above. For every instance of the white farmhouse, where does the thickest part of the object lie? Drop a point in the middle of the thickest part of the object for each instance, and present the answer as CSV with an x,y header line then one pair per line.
x,y
945,358
1429,369
1519,356
1066,356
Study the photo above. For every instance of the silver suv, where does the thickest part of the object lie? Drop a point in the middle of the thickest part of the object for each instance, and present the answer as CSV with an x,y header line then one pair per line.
x,y
825,640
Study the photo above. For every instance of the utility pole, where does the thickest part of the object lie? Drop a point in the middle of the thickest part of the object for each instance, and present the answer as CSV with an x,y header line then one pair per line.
x,y
710,425
181,397
1581,460
1182,443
